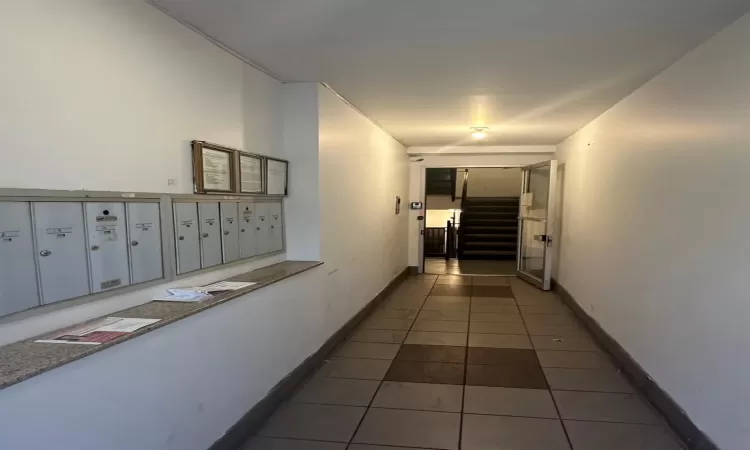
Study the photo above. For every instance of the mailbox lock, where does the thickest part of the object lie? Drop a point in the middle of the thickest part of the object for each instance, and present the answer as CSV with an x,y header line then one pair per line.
x,y
273,226
182,238
134,243
205,235
242,230
226,233
94,248
258,228
45,253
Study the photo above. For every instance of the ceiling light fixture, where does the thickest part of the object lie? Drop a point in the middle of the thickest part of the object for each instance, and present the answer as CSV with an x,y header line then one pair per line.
x,y
479,133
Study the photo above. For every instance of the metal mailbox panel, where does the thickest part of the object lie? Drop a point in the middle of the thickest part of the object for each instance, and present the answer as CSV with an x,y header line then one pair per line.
x,y
262,227
18,283
230,232
275,233
107,245
61,250
248,244
187,237
210,234
144,233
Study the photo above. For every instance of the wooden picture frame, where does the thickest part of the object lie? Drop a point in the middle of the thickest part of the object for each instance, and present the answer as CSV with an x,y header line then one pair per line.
x,y
270,190
261,163
215,179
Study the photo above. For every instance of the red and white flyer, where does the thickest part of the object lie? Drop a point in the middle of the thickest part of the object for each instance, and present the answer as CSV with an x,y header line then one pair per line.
x,y
97,332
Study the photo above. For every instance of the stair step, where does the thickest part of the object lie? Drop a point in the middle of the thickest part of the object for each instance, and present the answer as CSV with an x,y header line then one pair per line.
x,y
491,235
474,229
491,213
485,209
489,222
489,245
505,216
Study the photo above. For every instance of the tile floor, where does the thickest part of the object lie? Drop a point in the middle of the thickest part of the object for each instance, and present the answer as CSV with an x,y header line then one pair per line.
x,y
470,363
439,266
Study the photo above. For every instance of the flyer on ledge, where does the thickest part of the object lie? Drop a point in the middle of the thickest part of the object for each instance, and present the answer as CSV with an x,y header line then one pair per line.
x,y
98,331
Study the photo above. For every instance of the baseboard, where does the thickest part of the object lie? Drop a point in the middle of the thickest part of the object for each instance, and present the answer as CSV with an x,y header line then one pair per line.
x,y
413,270
254,419
677,418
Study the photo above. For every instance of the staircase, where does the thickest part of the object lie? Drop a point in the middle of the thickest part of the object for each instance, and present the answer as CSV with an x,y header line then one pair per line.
x,y
441,182
489,228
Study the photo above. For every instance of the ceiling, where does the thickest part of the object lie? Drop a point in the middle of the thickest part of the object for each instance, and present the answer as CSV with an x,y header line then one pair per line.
x,y
533,71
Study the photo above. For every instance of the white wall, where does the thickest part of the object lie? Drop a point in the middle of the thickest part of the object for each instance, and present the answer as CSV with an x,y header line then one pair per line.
x,y
300,110
437,218
182,386
655,222
494,182
512,158
362,171
442,202
107,95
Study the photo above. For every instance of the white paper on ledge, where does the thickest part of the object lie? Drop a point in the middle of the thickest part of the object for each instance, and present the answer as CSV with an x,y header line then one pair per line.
x,y
226,286
180,295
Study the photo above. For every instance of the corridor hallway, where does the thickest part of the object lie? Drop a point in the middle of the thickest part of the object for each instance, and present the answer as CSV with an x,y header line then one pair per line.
x,y
471,363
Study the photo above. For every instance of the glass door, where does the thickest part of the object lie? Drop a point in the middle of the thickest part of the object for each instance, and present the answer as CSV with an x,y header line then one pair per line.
x,y
535,224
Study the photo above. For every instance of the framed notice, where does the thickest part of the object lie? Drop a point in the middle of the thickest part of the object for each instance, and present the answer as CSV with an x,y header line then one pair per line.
x,y
213,168
251,174
277,172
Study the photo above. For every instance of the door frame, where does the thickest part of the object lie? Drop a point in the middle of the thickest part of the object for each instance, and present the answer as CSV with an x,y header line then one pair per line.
x,y
423,197
545,282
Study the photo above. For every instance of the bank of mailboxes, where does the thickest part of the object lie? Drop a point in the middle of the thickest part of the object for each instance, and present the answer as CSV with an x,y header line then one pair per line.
x,y
208,234
54,251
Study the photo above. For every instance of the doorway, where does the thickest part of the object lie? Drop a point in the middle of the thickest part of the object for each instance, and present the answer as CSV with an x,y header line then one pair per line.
x,y
471,221
491,221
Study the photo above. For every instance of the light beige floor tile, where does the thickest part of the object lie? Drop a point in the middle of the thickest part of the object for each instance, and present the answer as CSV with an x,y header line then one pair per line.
x,y
497,328
421,396
586,380
501,309
500,432
441,325
619,436
509,402
421,429
495,317
574,360
368,350
381,336
452,315
435,338
603,407
568,343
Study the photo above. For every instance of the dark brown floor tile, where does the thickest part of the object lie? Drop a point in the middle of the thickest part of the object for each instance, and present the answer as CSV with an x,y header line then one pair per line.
x,y
432,353
525,376
426,372
491,291
451,290
502,356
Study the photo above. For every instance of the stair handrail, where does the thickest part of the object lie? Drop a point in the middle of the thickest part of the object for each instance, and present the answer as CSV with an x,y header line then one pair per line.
x,y
465,189
453,175
449,244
